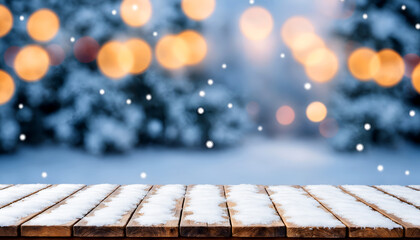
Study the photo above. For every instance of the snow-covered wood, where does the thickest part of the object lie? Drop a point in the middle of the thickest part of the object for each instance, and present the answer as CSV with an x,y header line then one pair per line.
x,y
252,212
361,220
159,213
403,213
404,193
416,187
303,215
205,212
110,217
16,192
18,212
58,221
3,186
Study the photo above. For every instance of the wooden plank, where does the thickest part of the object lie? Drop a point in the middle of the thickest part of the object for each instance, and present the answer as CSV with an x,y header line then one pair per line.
x,y
404,194
304,216
159,213
361,220
13,215
205,212
3,186
252,213
19,191
404,214
415,187
58,221
110,217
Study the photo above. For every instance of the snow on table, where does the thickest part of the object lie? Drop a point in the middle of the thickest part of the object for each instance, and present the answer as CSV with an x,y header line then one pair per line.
x,y
252,212
405,214
4,186
58,221
303,215
109,218
205,212
417,187
18,212
159,213
17,192
361,219
404,193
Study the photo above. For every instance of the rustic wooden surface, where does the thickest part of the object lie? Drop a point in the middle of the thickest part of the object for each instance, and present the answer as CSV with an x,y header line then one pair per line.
x,y
3,186
415,187
402,198
17,199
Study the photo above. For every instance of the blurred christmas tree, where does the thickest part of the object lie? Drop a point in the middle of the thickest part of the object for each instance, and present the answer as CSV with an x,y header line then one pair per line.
x,y
368,113
75,104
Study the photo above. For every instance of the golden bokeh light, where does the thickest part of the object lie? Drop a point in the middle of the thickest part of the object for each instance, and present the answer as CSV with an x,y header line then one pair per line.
x,y
142,54
172,52
316,111
293,27
256,23
7,87
361,64
285,115
304,44
198,10
32,63
328,128
321,65
391,68
115,59
136,13
197,46
415,78
43,25
6,20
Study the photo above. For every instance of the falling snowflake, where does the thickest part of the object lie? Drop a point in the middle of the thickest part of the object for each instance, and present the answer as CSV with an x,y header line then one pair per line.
x,y
128,101
403,7
200,110
210,82
260,128
21,18
44,175
407,172
412,113
155,34
202,93
20,106
380,168
367,126
72,39
282,55
143,175
209,144
359,147
148,97
230,105
365,16
22,137
307,86
101,91
114,12
224,66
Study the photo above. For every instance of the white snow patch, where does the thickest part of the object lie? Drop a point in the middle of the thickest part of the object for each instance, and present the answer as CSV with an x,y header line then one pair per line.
x,y
3,186
301,209
159,207
75,207
408,194
127,199
11,214
408,213
251,206
415,186
16,192
349,208
204,201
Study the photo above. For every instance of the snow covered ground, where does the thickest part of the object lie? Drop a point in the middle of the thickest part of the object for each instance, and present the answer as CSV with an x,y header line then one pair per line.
x,y
257,161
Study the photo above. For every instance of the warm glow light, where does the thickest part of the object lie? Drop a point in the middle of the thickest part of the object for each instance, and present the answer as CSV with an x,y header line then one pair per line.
x,y
7,87
10,55
328,128
31,63
293,27
361,64
316,111
415,78
115,59
256,23
285,115
321,65
304,44
391,68
56,53
86,49
197,46
6,20
142,54
43,25
198,10
136,13
172,52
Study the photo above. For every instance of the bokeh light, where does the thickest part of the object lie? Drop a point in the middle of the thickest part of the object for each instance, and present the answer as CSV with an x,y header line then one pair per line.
x,y
198,10
115,59
56,53
136,13
32,63
172,52
415,78
285,115
197,46
321,65
7,87
6,20
361,64
86,49
293,27
328,128
316,111
304,44
10,55
142,54
411,60
256,23
391,68
43,25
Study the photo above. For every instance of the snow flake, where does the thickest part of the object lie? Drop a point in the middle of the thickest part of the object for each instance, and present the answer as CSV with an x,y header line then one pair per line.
x,y
72,39
155,34
367,126
21,18
202,93
282,55
102,91
200,110
114,12
224,66
407,172
230,105
359,147
149,97
22,137
44,175
128,101
260,128
251,2
412,113
209,144
380,168
403,7
143,175
307,86
417,26
20,106
365,16
135,7
210,82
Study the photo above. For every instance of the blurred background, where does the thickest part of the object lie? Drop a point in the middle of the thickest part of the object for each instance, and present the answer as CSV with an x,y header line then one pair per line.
x,y
210,91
